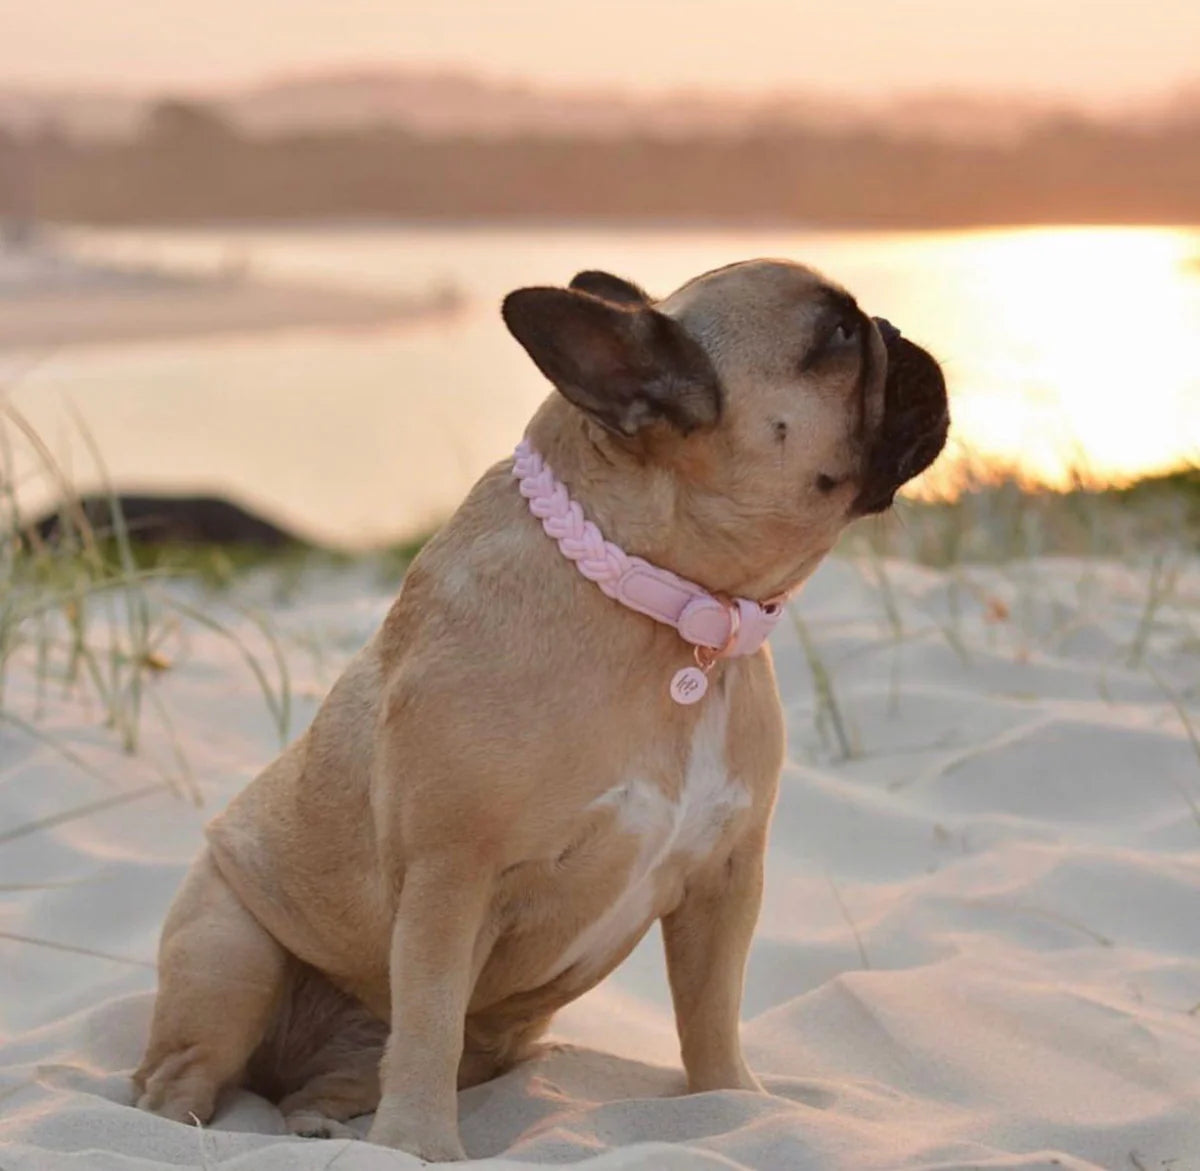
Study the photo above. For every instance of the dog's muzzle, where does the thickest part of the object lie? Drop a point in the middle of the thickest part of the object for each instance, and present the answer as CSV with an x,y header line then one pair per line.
x,y
916,421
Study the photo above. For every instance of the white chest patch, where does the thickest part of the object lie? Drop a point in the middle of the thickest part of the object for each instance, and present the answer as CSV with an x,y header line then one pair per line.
x,y
692,824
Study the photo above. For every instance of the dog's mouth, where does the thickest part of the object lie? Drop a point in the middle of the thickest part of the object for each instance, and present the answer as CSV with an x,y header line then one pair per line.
x,y
916,420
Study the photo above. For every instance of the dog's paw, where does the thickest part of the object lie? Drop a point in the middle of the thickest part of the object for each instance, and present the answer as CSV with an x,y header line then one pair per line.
x,y
735,1077
427,1143
751,1083
179,1085
312,1124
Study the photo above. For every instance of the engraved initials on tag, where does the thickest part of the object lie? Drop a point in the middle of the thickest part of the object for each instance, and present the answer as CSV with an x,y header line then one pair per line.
x,y
688,685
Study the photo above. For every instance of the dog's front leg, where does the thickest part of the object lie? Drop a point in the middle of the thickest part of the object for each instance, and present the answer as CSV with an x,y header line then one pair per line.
x,y
707,940
432,966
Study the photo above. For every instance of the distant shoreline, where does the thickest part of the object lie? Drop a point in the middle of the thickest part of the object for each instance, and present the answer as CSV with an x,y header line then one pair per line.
x,y
190,164
49,299
68,319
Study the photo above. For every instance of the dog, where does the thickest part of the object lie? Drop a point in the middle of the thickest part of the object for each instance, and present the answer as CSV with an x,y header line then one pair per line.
x,y
566,728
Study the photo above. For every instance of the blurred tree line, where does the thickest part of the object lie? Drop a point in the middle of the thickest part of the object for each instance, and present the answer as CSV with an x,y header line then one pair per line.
x,y
190,164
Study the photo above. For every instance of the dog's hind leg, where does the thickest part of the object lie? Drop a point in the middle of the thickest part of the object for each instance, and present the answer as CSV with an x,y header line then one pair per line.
x,y
220,974
320,1057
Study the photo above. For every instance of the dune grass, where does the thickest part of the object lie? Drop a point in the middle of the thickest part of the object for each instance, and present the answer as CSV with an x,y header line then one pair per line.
x,y
996,526
93,618
987,513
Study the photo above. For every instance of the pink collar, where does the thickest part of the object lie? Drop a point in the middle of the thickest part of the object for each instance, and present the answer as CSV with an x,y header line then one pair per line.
x,y
718,627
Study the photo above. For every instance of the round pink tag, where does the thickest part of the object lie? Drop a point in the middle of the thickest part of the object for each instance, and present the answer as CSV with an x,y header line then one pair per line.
x,y
688,685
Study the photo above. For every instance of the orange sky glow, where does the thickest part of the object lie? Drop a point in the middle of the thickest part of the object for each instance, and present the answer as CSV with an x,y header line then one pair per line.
x,y
1092,52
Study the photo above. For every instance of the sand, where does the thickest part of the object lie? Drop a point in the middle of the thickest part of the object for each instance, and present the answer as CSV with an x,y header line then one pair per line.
x,y
49,300
980,944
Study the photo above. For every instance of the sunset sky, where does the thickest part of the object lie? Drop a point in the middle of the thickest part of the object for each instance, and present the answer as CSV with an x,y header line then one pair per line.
x,y
1098,52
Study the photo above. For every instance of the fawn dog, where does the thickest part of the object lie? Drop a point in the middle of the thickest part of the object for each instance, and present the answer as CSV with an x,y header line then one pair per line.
x,y
566,728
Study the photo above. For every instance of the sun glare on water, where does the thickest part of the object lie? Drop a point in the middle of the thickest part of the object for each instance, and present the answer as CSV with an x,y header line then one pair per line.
x,y
1072,354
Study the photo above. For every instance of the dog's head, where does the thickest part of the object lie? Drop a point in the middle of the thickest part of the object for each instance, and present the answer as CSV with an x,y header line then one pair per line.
x,y
780,409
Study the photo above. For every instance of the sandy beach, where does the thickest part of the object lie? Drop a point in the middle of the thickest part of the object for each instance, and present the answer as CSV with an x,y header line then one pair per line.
x,y
980,945
49,300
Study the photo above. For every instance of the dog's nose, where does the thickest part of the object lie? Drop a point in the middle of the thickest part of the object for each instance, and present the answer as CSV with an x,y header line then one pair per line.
x,y
889,332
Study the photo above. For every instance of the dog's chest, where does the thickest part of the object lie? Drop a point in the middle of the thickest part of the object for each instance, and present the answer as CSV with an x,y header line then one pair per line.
x,y
673,834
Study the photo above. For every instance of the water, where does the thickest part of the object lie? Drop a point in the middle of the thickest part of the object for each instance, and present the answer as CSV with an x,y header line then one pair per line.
x,y
1064,348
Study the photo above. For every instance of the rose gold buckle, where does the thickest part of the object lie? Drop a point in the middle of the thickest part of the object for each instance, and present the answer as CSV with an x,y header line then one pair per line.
x,y
706,656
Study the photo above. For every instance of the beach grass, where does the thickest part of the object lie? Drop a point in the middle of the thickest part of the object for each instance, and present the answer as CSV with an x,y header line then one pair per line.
x,y
991,513
95,617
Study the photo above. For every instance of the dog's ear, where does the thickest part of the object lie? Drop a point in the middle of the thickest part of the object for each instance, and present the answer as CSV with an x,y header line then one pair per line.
x,y
625,365
610,288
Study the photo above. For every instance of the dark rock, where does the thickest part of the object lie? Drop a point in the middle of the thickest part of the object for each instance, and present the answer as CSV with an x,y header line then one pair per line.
x,y
173,520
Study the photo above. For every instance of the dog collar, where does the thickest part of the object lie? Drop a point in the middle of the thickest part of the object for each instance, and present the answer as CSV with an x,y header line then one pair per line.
x,y
717,626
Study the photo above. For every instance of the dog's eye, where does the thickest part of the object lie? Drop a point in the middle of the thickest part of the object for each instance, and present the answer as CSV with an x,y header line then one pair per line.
x,y
846,332
834,343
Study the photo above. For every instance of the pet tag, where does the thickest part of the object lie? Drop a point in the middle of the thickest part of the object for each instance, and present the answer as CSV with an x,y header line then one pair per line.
x,y
688,685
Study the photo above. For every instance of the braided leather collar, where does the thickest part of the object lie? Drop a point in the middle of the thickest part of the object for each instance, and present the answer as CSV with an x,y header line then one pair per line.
x,y
716,626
